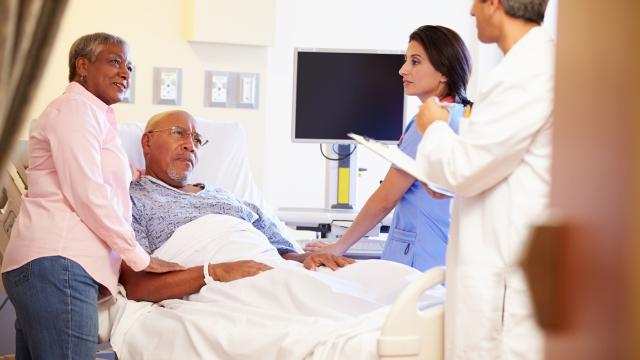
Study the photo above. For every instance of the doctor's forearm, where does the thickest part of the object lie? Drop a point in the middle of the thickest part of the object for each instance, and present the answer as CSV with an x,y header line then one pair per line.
x,y
382,201
375,209
367,218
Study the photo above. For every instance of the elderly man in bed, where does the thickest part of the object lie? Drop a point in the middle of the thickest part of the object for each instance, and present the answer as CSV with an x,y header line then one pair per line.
x,y
163,200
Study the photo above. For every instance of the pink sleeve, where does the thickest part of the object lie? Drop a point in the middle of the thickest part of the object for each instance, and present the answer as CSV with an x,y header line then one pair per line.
x,y
76,148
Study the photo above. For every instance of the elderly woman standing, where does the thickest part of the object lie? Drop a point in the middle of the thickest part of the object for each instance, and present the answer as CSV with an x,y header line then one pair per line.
x,y
74,228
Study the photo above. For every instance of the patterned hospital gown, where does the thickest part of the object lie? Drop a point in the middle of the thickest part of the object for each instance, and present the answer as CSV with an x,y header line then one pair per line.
x,y
159,209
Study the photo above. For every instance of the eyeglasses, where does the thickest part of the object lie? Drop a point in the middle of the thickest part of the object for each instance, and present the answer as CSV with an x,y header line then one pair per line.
x,y
181,133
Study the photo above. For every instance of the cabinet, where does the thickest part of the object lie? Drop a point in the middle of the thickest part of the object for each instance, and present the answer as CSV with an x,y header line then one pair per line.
x,y
242,22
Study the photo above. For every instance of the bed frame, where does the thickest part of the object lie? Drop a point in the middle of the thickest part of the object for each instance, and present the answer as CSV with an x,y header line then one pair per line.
x,y
410,333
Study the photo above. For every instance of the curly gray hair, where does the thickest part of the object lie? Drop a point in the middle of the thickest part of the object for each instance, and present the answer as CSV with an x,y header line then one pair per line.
x,y
88,47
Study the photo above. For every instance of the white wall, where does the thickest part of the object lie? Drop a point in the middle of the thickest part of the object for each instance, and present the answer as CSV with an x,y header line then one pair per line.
x,y
153,29
290,174
295,171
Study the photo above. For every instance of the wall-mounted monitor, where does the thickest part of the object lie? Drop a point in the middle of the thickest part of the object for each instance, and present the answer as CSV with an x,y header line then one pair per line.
x,y
341,91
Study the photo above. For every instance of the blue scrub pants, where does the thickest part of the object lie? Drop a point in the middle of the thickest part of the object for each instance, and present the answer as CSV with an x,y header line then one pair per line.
x,y
56,303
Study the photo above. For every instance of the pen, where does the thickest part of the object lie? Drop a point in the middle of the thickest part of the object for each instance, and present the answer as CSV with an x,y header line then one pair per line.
x,y
467,111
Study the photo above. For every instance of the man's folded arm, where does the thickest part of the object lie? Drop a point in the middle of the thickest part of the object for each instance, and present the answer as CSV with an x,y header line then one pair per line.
x,y
154,287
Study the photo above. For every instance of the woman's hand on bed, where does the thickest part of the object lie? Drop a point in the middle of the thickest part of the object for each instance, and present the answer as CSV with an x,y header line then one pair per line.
x,y
236,270
334,262
157,265
325,247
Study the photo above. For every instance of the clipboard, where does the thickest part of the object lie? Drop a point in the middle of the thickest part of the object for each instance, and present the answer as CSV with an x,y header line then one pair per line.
x,y
398,158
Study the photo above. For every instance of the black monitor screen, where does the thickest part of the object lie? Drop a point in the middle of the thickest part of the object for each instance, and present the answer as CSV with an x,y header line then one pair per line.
x,y
341,92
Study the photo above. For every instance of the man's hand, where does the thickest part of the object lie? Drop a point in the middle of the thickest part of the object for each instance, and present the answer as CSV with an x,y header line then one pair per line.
x,y
334,262
429,112
325,247
236,270
157,265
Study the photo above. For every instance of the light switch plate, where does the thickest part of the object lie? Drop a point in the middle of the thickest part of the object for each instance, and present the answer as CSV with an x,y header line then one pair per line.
x,y
167,86
247,94
129,95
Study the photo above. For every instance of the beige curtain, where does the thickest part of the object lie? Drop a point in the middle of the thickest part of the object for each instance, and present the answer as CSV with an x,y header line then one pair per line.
x,y
27,31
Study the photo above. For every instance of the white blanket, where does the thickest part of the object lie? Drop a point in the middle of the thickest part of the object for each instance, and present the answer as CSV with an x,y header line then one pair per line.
x,y
284,313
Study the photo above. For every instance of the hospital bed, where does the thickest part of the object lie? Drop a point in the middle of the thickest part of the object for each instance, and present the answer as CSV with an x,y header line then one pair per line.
x,y
407,331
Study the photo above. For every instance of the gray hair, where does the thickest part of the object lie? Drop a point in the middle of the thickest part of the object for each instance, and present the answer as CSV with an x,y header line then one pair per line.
x,y
530,10
88,47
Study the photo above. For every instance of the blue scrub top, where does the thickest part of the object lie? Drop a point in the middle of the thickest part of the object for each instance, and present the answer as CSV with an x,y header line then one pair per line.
x,y
419,230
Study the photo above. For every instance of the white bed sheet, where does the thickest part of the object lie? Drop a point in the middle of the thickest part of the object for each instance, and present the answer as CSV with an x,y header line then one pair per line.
x,y
284,313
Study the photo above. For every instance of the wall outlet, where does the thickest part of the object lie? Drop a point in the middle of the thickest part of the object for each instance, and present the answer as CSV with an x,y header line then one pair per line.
x,y
231,90
218,86
167,86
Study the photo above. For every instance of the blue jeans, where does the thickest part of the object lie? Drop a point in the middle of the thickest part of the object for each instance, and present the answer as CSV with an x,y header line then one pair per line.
x,y
56,303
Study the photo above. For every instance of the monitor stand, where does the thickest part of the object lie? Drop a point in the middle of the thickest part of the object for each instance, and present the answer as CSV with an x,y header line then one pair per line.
x,y
340,181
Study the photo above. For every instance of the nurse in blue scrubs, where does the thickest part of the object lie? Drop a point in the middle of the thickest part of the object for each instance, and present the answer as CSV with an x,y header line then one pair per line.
x,y
437,63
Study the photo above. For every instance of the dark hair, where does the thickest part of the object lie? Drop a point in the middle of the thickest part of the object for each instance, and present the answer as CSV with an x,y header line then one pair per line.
x,y
88,47
529,10
449,55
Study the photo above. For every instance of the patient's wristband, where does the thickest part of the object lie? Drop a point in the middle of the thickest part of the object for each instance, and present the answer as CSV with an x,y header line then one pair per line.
x,y
207,278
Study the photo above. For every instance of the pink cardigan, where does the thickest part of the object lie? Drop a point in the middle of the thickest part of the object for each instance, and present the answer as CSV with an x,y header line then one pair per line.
x,y
77,204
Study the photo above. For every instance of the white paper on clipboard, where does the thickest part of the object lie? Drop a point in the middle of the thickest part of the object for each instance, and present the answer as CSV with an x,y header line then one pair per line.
x,y
400,159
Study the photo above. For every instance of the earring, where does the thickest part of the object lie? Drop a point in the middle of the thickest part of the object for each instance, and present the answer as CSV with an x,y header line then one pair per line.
x,y
82,78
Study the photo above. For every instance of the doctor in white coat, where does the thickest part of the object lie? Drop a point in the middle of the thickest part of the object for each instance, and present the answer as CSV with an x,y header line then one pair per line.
x,y
499,168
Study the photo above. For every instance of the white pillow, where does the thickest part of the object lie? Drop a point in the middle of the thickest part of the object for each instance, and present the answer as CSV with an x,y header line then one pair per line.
x,y
223,162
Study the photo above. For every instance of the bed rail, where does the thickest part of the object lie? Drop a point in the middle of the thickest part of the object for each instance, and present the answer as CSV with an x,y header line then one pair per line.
x,y
410,333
